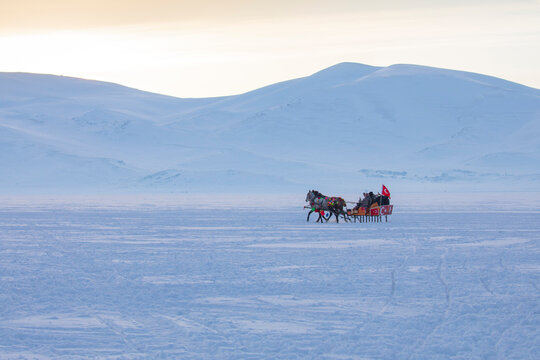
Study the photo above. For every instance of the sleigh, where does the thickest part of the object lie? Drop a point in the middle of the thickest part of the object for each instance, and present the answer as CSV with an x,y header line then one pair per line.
x,y
374,213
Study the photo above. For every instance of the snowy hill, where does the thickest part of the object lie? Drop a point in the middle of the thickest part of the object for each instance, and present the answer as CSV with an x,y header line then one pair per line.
x,y
346,128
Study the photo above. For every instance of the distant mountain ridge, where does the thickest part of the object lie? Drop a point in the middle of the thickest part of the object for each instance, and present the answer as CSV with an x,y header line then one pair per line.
x,y
345,128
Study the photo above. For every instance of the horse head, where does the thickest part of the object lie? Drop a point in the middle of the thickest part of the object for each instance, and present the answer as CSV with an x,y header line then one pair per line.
x,y
310,195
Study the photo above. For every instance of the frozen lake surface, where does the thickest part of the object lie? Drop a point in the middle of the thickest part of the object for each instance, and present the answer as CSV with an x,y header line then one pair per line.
x,y
194,282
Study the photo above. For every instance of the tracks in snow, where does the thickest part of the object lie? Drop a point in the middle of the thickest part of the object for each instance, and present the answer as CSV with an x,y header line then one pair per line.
x,y
441,275
400,266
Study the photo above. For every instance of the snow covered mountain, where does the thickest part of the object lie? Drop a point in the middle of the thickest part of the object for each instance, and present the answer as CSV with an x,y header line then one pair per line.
x,y
345,129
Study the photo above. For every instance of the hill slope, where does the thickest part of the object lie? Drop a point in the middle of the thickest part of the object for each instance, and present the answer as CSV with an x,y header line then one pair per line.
x,y
345,128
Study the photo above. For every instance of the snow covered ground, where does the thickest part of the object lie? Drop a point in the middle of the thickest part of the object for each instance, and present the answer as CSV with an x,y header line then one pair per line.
x,y
188,280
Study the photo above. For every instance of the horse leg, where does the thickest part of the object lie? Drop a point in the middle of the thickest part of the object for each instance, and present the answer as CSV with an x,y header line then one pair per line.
x,y
332,212
308,215
329,216
347,213
345,216
340,211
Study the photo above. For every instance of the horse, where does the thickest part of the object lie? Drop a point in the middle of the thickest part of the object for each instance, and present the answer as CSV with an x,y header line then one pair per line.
x,y
334,205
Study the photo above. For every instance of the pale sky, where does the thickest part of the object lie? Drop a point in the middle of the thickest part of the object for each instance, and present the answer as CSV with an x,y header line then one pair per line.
x,y
209,48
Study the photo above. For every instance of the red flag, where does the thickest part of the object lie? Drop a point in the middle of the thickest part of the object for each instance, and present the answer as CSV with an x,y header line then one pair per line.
x,y
385,191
